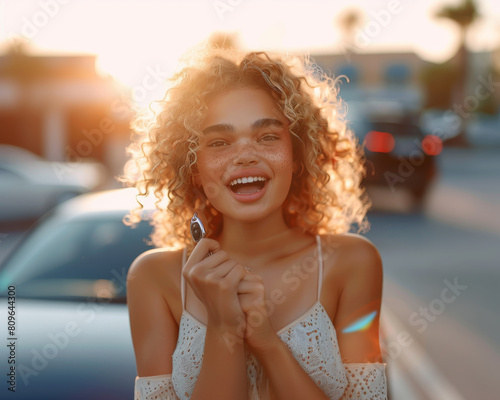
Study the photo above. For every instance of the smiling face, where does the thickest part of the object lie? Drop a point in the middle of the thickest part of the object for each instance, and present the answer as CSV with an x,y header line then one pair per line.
x,y
245,135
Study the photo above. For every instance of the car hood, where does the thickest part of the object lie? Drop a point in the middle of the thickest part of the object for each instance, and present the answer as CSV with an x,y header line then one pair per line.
x,y
72,350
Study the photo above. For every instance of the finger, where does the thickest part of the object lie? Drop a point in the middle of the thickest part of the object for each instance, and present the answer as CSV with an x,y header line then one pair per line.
x,y
203,269
246,286
221,270
236,274
248,302
204,272
204,247
209,262
250,276
209,245
213,261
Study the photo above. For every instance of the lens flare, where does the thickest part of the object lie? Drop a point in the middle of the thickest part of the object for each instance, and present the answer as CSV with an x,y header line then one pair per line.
x,y
361,324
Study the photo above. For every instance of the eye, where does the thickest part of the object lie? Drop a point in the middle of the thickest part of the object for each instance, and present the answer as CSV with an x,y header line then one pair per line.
x,y
217,143
269,137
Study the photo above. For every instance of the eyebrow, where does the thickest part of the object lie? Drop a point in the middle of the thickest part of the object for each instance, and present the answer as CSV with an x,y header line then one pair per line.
x,y
229,128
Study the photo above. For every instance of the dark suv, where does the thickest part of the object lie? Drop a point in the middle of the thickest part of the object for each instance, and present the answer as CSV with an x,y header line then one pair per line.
x,y
398,154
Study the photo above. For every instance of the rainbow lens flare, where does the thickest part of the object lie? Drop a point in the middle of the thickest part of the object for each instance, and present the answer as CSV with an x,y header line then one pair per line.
x,y
361,324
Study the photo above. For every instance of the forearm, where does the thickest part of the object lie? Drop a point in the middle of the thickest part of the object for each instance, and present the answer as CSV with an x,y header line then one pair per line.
x,y
223,371
287,378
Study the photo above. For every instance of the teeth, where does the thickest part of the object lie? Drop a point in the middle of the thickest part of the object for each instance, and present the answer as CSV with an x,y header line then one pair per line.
x,y
249,179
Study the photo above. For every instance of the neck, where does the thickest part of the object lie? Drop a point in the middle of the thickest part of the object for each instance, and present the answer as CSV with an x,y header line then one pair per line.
x,y
253,243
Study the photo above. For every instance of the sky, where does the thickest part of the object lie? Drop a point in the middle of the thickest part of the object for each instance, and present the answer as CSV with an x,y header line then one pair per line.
x,y
134,38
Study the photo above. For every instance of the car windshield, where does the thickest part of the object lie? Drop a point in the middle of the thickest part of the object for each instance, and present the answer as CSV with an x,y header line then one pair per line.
x,y
81,258
397,128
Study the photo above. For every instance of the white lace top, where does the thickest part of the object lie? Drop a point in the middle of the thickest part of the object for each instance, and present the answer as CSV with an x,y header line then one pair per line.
x,y
311,339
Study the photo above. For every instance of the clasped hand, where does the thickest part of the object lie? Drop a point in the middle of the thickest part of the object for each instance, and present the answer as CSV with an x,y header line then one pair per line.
x,y
233,296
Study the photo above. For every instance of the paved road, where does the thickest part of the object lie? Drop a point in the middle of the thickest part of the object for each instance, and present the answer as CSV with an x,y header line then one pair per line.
x,y
454,244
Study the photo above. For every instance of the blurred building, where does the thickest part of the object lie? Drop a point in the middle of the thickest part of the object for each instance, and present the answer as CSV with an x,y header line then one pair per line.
x,y
60,108
373,69
390,76
484,65
400,76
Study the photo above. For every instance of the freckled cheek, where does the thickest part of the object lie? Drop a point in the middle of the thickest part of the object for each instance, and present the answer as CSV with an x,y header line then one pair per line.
x,y
280,157
211,166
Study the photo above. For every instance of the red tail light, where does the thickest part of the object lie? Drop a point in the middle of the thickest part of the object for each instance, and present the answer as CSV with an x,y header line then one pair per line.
x,y
380,142
432,145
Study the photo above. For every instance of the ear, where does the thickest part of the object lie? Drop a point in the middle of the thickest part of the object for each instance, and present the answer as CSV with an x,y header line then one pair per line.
x,y
296,165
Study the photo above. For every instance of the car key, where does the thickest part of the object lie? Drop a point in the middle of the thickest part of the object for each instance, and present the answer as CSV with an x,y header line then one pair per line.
x,y
198,231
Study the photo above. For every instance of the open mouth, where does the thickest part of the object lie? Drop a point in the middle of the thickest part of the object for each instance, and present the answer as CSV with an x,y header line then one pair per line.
x,y
246,187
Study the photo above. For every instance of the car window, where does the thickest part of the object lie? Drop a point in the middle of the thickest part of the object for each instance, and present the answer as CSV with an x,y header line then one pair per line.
x,y
397,128
83,258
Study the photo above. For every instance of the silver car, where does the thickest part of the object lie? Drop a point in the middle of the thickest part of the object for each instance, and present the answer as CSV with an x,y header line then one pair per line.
x,y
67,286
30,185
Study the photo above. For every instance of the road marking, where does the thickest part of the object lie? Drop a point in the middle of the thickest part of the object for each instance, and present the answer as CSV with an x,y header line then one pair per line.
x,y
399,386
419,365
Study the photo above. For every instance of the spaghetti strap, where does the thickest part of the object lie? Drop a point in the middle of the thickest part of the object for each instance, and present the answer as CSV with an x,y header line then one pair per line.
x,y
320,265
183,283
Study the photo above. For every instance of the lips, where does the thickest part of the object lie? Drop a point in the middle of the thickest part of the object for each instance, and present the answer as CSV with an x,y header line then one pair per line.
x,y
249,197
245,173
247,186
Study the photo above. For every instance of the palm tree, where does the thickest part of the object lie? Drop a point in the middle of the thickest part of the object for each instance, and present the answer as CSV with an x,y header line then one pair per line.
x,y
223,40
463,15
349,20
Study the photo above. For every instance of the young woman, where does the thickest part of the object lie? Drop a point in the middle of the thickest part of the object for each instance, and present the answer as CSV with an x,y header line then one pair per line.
x,y
265,306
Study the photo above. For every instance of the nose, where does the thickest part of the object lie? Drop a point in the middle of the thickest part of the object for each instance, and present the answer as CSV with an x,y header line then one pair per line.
x,y
246,154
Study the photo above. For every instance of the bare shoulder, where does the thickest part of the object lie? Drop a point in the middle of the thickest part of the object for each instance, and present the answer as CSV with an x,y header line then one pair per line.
x,y
157,270
153,300
356,273
155,263
352,269
351,255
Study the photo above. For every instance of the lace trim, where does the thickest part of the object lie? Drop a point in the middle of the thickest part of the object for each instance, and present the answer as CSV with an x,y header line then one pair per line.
x,y
313,343
157,387
367,381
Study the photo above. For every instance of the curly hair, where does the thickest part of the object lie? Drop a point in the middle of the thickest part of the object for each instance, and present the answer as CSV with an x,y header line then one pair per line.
x,y
325,197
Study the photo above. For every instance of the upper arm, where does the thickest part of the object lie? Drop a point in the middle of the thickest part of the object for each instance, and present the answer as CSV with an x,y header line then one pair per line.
x,y
153,327
360,301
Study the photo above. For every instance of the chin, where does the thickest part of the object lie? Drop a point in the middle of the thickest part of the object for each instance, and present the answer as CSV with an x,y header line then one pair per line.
x,y
249,215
